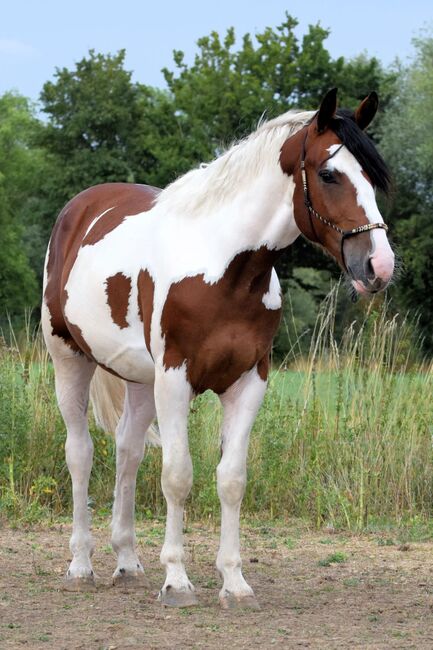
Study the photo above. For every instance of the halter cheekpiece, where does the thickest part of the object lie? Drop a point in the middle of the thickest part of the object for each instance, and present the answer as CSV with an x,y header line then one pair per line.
x,y
345,234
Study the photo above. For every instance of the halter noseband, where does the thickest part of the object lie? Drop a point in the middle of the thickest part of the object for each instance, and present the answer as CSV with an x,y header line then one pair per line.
x,y
345,234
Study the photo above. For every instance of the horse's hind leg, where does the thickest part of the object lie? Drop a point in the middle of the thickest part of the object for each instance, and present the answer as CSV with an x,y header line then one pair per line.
x,y
138,413
73,373
241,403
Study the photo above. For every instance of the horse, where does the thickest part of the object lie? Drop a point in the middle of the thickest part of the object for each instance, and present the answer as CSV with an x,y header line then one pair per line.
x,y
168,293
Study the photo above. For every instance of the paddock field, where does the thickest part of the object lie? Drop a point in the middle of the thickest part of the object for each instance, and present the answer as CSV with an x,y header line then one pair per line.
x,y
317,590
342,444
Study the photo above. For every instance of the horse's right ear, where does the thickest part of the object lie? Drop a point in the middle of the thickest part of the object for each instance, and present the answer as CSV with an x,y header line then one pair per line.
x,y
327,110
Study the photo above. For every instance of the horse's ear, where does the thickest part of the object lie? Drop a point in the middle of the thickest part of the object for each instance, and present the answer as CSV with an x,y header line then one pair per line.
x,y
327,110
366,110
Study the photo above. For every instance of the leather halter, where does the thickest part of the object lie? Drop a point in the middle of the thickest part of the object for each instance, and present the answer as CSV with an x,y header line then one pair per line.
x,y
345,234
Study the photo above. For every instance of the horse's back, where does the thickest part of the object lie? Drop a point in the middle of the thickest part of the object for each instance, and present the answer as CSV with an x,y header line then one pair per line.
x,y
85,221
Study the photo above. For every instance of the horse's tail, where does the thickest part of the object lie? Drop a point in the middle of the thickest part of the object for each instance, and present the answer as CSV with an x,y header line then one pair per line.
x,y
107,394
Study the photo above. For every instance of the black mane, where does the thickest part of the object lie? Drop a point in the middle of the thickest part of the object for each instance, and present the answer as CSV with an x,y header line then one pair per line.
x,y
362,147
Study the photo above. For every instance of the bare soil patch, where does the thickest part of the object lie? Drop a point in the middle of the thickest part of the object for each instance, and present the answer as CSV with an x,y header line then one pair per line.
x,y
376,595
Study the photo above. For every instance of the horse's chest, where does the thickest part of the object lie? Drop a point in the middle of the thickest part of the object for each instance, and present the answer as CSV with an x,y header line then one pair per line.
x,y
219,330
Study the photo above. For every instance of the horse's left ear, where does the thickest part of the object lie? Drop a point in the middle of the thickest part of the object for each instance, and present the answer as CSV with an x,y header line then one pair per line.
x,y
327,110
366,110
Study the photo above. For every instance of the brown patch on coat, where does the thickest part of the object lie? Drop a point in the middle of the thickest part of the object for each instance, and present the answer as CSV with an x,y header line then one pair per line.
x,y
263,367
146,289
69,234
118,291
221,330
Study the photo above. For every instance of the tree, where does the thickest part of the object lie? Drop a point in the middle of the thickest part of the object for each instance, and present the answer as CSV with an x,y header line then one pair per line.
x,y
92,112
407,143
102,128
18,172
160,150
226,90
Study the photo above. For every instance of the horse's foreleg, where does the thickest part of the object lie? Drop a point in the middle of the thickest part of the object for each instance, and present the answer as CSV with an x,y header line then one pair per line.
x,y
73,375
138,413
172,397
241,403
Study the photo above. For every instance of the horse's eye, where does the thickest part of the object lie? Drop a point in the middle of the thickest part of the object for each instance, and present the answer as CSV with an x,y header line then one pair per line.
x,y
327,176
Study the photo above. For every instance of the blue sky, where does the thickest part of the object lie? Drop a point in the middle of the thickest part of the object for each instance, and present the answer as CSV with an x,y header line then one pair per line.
x,y
37,37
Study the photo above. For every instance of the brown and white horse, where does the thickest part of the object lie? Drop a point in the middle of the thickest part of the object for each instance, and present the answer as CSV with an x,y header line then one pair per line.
x,y
174,292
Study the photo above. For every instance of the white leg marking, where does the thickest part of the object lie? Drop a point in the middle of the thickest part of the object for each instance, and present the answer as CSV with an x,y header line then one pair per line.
x,y
241,403
172,396
138,413
73,374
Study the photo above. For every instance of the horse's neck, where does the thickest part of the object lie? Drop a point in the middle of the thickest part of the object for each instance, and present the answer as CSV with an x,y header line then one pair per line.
x,y
261,215
173,243
256,196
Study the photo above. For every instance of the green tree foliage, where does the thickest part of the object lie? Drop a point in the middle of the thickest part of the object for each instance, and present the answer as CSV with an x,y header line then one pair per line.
x,y
92,112
407,143
19,164
160,149
225,91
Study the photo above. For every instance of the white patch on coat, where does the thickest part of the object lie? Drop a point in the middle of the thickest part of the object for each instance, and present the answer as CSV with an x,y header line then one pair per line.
x,y
272,298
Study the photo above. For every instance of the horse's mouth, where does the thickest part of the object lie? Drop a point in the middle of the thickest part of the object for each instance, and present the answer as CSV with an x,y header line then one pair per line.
x,y
370,290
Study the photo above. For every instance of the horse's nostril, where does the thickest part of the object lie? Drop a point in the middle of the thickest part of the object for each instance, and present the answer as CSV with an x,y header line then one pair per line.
x,y
376,285
370,272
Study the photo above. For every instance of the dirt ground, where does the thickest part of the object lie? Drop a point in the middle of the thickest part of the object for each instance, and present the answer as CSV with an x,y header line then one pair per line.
x,y
317,590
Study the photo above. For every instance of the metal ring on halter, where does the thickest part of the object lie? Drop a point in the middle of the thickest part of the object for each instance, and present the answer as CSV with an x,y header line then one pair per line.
x,y
345,234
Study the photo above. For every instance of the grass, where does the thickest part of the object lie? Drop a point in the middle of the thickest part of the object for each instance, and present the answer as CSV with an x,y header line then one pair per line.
x,y
344,437
333,558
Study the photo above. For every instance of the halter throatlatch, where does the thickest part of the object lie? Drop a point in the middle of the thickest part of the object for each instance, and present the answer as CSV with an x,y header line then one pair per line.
x,y
345,234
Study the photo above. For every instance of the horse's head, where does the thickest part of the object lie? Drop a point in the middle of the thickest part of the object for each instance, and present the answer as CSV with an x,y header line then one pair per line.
x,y
336,170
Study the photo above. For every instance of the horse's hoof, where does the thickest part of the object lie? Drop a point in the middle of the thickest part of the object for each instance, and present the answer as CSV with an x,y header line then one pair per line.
x,y
229,600
128,580
85,584
170,597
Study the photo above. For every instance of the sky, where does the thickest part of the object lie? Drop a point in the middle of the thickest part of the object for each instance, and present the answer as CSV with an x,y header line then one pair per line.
x,y
37,37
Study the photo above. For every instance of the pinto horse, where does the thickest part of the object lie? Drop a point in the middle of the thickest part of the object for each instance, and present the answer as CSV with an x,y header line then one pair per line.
x,y
174,292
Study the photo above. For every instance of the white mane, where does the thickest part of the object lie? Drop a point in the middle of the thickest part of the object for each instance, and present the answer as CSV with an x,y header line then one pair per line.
x,y
210,185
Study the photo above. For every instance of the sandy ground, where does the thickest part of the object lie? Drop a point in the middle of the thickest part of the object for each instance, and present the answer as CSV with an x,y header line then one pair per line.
x,y
380,594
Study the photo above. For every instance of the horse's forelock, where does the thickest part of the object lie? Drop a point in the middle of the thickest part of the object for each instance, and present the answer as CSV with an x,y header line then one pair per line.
x,y
362,147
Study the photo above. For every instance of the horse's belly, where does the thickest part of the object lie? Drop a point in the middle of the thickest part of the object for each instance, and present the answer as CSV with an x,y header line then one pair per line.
x,y
131,362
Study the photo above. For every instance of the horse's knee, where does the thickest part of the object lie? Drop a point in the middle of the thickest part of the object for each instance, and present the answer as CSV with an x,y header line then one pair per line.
x,y
79,452
231,484
129,455
177,478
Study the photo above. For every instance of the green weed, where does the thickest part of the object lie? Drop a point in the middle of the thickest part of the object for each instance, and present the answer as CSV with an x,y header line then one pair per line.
x,y
333,558
343,439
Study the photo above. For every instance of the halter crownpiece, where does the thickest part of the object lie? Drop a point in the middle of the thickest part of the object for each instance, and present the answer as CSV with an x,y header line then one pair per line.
x,y
345,234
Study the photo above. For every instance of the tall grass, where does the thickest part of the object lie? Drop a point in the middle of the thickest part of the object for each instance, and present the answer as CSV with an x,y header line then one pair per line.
x,y
344,436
